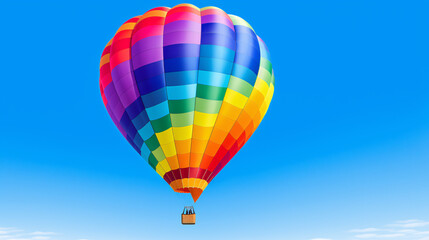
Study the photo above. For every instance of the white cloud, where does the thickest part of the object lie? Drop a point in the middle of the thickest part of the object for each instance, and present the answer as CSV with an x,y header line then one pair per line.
x,y
406,231
413,223
390,235
18,238
373,235
409,221
42,233
367,235
413,229
8,230
18,234
365,230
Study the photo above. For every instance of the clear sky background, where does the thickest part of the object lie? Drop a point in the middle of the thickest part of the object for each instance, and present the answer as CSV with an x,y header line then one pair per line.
x,y
342,154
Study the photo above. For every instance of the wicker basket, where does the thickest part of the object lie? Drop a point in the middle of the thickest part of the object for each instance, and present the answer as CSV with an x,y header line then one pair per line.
x,y
188,216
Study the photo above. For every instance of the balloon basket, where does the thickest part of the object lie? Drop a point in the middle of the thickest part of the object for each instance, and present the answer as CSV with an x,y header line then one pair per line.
x,y
188,216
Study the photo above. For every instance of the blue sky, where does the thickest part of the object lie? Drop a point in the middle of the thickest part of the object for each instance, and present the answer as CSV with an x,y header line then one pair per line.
x,y
341,155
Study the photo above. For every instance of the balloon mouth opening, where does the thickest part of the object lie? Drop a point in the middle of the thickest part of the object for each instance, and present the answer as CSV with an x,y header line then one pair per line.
x,y
182,190
195,192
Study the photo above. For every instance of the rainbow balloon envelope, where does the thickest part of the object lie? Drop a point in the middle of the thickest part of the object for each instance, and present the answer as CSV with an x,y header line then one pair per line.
x,y
186,87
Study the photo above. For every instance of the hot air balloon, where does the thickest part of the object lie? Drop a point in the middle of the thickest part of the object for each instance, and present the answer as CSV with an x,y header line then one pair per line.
x,y
186,87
